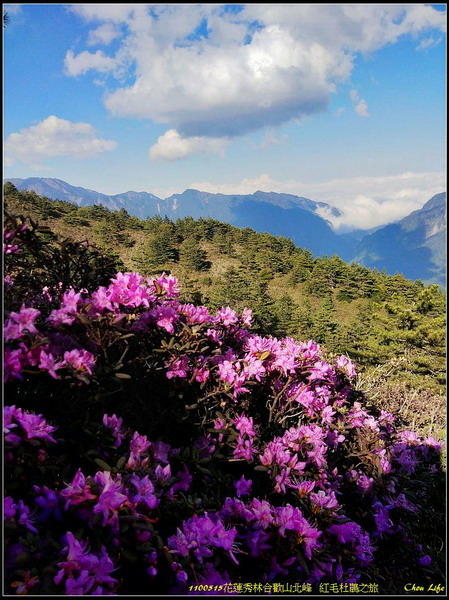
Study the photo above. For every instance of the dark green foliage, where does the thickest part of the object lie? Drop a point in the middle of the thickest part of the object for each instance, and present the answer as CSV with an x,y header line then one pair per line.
x,y
159,249
122,219
75,220
112,234
324,325
192,256
302,266
287,316
224,244
47,260
9,189
327,274
409,331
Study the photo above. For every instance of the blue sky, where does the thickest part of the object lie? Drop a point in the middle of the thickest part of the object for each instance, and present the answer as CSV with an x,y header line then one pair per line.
x,y
340,103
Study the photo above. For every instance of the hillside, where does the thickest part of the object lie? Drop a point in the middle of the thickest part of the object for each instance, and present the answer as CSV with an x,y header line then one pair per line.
x,y
388,324
414,247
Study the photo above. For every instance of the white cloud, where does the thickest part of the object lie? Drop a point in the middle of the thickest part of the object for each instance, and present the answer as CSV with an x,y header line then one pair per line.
x,y
361,109
173,146
271,139
428,43
85,61
365,202
361,106
215,93
103,12
350,27
104,34
208,72
54,137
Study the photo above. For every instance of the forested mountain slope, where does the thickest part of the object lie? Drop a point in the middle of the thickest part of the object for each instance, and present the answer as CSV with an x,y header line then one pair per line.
x,y
385,323
415,246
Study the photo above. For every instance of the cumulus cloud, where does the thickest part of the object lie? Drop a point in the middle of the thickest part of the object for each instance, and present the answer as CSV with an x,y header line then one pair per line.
x,y
216,94
86,61
365,202
173,146
351,27
104,34
206,71
54,137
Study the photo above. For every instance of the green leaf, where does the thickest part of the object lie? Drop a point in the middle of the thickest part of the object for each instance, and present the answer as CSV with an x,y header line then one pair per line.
x,y
131,557
203,470
159,542
92,453
121,462
104,465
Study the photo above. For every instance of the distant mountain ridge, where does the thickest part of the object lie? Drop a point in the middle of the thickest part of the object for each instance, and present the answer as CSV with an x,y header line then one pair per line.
x,y
139,204
279,214
414,246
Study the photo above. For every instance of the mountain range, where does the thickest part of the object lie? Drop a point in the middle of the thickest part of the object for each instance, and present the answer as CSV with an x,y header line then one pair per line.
x,y
417,243
414,246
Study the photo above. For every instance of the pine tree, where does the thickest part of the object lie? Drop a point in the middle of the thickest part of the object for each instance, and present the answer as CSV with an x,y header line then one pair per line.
x,y
158,250
286,313
324,325
192,256
302,266
305,329
224,243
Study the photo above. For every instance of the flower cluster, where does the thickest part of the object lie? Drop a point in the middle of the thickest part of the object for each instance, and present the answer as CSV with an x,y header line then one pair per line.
x,y
269,465
103,504
85,573
10,235
20,426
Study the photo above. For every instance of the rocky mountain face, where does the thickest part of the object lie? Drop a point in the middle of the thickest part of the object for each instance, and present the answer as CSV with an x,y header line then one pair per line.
x,y
414,246
278,214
